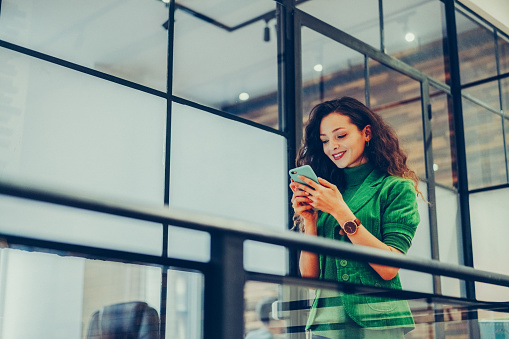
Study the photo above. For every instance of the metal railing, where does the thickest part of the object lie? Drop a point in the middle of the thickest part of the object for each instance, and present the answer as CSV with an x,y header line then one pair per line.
x,y
224,274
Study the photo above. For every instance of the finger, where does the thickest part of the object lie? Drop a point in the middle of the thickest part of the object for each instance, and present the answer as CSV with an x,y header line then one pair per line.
x,y
301,187
325,183
308,181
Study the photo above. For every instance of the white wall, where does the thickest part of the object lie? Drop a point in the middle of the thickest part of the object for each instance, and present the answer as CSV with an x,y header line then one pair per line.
x,y
495,11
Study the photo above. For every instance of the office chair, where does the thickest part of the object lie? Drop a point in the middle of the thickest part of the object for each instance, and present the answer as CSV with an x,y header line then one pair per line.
x,y
131,320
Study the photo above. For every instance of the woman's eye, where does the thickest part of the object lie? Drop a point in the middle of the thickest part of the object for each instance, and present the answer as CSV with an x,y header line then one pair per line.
x,y
325,141
341,136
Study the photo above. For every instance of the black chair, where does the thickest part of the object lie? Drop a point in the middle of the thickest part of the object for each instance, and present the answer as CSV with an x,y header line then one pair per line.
x,y
131,320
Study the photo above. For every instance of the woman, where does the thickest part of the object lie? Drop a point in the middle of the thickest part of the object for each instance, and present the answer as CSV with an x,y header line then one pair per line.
x,y
367,196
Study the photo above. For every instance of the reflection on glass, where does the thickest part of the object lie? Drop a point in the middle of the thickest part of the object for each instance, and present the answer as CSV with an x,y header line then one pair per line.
x,y
486,93
414,34
122,38
231,69
397,99
476,49
503,53
359,19
287,309
484,146
263,314
329,71
505,109
442,123
65,297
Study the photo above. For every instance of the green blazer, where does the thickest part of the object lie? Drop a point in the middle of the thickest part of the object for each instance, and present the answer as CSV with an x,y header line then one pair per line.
x,y
387,207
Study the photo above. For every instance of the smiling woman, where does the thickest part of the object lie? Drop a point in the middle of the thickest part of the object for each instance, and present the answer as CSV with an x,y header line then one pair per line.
x,y
366,196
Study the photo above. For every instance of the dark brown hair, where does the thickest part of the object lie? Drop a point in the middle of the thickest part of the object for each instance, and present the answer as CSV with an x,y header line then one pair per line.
x,y
383,150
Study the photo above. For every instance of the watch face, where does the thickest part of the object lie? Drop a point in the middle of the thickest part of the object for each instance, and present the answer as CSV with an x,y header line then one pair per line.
x,y
350,227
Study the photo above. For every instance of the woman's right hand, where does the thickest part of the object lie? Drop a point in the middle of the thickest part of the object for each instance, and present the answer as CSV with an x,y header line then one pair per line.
x,y
301,206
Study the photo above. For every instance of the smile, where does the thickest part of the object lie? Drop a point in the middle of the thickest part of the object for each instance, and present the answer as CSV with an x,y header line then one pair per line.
x,y
339,155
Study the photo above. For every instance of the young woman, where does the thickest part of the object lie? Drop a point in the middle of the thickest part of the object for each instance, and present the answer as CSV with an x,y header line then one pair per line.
x,y
366,196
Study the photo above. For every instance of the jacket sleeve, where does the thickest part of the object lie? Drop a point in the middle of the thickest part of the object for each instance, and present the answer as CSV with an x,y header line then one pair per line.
x,y
400,215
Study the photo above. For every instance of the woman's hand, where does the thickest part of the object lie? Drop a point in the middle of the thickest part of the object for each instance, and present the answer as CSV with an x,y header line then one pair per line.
x,y
301,204
324,197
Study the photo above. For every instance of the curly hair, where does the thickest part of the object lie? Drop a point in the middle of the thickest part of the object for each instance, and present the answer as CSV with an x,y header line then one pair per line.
x,y
383,151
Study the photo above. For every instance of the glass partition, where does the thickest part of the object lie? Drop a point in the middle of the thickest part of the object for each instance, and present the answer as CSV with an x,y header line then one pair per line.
x,y
414,33
397,98
329,71
503,53
442,127
225,57
286,311
75,132
484,146
67,297
476,49
225,168
360,19
122,38
490,208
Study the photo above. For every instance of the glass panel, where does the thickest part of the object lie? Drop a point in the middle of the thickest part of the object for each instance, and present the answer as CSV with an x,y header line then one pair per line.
x,y
184,305
399,104
505,109
240,75
108,142
421,247
260,312
69,225
287,308
503,53
442,126
476,49
60,296
179,245
229,169
487,93
360,19
414,34
490,208
122,38
484,146
329,71
449,235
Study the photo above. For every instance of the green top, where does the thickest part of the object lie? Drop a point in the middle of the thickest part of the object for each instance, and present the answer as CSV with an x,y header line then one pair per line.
x,y
387,208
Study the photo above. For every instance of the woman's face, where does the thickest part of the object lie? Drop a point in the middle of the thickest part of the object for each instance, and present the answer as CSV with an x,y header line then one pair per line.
x,y
342,141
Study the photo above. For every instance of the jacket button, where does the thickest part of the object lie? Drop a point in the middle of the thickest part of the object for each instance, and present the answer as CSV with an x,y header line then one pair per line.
x,y
377,284
345,277
343,262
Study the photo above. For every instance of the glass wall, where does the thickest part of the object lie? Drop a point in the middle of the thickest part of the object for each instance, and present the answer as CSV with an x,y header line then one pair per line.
x,y
124,39
64,296
225,59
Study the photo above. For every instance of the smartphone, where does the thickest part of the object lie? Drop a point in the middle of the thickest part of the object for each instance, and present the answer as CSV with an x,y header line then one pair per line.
x,y
306,171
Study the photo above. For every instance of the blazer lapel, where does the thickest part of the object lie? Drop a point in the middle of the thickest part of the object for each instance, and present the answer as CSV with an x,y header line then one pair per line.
x,y
366,191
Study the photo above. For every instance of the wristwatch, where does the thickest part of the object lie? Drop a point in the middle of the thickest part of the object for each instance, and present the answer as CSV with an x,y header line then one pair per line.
x,y
351,227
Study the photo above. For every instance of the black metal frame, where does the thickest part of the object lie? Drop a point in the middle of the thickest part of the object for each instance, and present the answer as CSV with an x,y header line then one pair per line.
x,y
225,271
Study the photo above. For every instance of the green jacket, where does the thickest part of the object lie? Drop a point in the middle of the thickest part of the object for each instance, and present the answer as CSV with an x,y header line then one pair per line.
x,y
387,207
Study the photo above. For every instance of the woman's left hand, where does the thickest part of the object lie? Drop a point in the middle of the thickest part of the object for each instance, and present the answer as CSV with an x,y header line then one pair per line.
x,y
326,197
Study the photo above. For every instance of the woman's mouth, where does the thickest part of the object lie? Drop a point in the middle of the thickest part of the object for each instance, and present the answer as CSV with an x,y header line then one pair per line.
x,y
338,156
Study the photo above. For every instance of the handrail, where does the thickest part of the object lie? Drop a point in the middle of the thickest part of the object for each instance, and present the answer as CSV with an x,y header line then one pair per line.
x,y
251,231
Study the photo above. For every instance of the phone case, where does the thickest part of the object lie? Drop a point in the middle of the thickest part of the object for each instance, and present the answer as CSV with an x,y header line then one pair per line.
x,y
306,171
